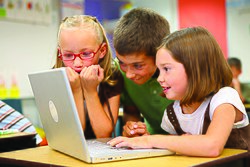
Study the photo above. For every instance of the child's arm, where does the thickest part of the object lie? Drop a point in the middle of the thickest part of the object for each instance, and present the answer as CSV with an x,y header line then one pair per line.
x,y
98,114
209,145
75,84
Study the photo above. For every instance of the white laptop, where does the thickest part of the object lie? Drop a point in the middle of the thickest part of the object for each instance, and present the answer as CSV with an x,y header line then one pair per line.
x,y
62,126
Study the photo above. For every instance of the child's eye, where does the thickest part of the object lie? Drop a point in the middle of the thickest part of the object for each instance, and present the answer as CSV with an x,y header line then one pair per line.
x,y
122,64
68,55
166,68
138,66
87,54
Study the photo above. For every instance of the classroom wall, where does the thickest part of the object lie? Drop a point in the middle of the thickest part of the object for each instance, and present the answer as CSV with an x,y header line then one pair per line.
x,y
238,36
27,47
208,14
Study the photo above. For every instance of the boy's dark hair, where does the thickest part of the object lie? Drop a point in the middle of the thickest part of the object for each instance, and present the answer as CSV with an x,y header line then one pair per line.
x,y
140,30
235,62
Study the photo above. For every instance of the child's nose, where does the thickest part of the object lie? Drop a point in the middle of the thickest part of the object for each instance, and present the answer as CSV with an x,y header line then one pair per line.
x,y
78,61
160,79
129,73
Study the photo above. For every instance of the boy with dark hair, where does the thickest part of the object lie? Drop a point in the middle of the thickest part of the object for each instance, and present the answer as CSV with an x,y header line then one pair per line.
x,y
136,37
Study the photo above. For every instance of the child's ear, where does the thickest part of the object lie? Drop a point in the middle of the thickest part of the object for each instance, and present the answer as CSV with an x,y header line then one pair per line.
x,y
103,50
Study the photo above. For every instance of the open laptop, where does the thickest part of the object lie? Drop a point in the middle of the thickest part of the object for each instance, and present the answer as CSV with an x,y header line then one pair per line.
x,y
59,117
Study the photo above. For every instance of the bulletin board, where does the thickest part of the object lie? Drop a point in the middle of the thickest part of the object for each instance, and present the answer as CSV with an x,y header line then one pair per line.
x,y
71,7
28,31
32,11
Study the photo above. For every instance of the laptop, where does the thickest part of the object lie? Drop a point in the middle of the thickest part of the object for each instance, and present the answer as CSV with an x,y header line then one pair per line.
x,y
62,127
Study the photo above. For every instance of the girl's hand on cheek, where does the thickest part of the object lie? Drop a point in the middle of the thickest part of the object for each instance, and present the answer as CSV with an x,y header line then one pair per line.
x,y
91,77
74,79
100,74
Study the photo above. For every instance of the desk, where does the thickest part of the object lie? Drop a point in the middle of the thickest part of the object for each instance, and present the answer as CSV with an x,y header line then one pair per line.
x,y
45,156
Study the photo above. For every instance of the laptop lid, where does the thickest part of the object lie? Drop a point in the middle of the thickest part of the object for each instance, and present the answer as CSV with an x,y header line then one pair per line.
x,y
58,113
62,126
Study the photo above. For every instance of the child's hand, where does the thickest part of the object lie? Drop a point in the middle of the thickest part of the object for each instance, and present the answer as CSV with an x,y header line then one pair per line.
x,y
132,129
135,142
91,77
74,79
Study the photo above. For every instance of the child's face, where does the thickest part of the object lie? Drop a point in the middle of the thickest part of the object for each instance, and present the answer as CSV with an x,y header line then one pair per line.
x,y
235,72
172,78
138,67
77,41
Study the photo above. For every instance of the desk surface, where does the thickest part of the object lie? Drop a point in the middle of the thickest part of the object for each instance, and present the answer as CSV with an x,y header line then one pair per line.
x,y
45,156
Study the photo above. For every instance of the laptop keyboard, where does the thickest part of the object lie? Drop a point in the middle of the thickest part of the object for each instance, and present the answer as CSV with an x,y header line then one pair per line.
x,y
97,147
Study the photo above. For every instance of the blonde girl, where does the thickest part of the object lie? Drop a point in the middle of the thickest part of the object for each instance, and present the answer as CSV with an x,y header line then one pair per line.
x,y
84,50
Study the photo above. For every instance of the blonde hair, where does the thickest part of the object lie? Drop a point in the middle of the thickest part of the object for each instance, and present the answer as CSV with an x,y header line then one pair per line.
x,y
206,67
90,22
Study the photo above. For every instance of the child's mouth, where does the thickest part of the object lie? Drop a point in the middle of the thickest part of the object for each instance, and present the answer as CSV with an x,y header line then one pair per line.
x,y
165,89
